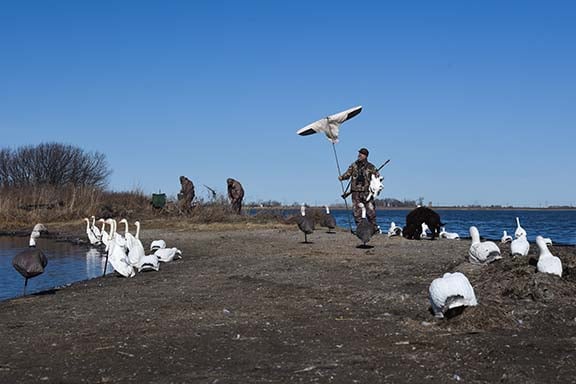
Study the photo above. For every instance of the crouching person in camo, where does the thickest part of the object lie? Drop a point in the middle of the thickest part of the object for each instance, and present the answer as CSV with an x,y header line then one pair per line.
x,y
361,172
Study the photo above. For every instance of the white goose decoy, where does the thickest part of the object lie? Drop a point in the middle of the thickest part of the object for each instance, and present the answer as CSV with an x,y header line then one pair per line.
x,y
305,223
450,291
519,230
133,244
94,240
425,234
330,125
547,262
145,262
448,235
95,229
394,230
116,254
32,261
328,220
168,254
482,252
364,229
506,238
375,186
104,235
157,244
519,247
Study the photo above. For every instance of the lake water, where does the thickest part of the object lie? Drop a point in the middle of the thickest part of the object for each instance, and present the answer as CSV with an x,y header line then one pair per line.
x,y
559,225
69,263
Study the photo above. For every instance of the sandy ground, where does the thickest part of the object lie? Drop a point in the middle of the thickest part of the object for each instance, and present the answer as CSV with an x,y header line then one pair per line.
x,y
256,305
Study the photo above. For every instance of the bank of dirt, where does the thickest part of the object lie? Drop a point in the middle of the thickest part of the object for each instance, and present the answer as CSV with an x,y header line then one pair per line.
x,y
256,305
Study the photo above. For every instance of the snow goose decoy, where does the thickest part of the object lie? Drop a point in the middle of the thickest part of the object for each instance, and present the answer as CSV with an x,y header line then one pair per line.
x,y
168,254
330,125
450,291
157,244
133,244
104,236
305,223
547,262
426,232
519,230
145,262
328,220
482,252
94,240
519,247
95,229
394,230
506,238
116,254
448,235
32,261
364,229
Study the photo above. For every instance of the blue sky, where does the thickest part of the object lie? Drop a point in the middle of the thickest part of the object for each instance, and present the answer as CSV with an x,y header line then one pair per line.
x,y
473,102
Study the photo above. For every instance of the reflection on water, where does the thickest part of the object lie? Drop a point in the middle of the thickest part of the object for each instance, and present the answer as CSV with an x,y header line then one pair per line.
x,y
67,263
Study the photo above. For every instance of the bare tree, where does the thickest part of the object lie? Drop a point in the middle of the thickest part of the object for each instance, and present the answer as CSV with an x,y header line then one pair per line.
x,y
53,164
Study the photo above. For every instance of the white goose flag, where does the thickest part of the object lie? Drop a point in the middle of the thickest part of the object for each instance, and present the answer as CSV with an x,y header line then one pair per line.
x,y
330,124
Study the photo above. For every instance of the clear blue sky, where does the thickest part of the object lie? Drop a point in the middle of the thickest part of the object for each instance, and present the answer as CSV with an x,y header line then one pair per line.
x,y
473,102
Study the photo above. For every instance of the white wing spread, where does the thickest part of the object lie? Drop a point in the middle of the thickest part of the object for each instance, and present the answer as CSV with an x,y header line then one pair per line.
x,y
330,125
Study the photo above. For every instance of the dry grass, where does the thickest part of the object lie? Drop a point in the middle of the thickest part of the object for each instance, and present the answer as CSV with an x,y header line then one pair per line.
x,y
20,208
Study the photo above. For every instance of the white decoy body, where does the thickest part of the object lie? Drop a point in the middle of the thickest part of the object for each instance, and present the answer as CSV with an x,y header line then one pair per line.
x,y
133,244
95,229
157,244
328,220
547,262
450,291
32,261
116,254
364,229
105,236
519,230
520,247
482,252
168,254
145,262
394,230
506,238
305,223
375,186
425,234
330,125
92,238
448,235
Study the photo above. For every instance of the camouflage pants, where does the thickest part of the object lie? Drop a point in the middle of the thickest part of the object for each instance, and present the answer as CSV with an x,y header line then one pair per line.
x,y
236,206
360,197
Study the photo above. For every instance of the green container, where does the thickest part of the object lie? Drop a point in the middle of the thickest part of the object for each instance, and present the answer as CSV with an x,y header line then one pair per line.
x,y
158,200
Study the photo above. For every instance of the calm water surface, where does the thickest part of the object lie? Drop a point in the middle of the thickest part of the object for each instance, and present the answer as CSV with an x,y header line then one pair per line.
x,y
67,263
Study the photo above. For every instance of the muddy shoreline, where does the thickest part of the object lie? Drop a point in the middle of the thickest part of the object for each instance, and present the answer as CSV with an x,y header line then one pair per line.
x,y
255,305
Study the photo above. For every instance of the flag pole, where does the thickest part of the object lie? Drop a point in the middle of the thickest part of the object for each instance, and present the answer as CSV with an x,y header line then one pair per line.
x,y
342,186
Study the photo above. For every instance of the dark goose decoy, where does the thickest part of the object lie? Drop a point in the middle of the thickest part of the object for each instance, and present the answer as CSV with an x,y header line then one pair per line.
x,y
328,220
364,229
305,223
32,261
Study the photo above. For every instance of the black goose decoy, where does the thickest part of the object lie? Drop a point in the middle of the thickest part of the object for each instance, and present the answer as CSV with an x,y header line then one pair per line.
x,y
364,229
305,223
328,220
32,261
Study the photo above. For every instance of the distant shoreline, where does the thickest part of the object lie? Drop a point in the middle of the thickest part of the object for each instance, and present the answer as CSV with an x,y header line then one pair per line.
x,y
451,208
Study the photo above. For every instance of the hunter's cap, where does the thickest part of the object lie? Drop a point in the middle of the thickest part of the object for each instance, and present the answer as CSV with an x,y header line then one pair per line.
x,y
364,151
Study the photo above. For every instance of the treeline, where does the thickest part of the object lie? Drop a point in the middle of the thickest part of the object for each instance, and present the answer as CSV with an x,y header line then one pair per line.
x,y
52,164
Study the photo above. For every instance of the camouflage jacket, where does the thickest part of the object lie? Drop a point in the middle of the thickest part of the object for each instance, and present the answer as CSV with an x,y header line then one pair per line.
x,y
235,190
361,172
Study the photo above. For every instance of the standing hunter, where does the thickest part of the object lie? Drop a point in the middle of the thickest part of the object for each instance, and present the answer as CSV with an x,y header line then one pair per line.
x,y
361,171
